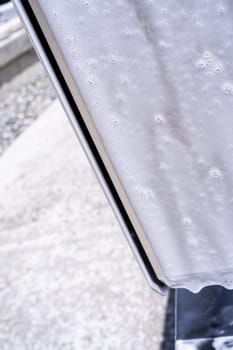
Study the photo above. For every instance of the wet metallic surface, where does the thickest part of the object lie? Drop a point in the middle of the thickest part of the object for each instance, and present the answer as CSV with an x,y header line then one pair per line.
x,y
204,320
165,129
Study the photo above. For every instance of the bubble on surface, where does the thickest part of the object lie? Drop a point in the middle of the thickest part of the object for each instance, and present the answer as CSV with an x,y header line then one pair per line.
x,y
159,119
162,44
90,80
215,173
113,59
207,56
209,62
217,67
124,80
93,62
201,64
162,23
93,12
115,121
187,221
198,25
228,88
68,39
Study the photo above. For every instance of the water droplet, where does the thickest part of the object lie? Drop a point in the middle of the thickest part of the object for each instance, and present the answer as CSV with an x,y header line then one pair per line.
x,y
162,23
93,12
207,56
93,62
228,88
187,221
209,62
90,80
197,24
201,64
159,119
162,44
217,67
124,80
215,173
115,122
113,59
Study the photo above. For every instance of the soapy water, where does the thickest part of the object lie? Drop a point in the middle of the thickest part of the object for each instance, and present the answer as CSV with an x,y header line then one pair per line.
x,y
156,79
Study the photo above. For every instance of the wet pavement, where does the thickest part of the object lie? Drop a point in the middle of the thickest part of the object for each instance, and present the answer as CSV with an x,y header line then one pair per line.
x,y
68,279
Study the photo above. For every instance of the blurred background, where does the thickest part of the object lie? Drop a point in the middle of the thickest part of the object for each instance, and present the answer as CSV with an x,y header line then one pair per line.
x,y
68,279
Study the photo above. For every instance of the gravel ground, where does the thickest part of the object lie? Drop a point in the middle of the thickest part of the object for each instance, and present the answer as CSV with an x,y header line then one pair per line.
x,y
21,102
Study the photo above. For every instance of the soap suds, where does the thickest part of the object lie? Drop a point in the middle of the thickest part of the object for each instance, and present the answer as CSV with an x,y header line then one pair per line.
x,y
157,80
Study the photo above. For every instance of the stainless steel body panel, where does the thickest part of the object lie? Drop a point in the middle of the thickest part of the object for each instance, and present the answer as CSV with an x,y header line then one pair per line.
x,y
153,84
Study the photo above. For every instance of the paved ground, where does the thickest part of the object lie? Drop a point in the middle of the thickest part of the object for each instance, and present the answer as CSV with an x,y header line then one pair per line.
x,y
68,279
22,99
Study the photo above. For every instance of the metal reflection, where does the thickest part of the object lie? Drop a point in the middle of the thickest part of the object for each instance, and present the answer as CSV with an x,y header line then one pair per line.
x,y
204,320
